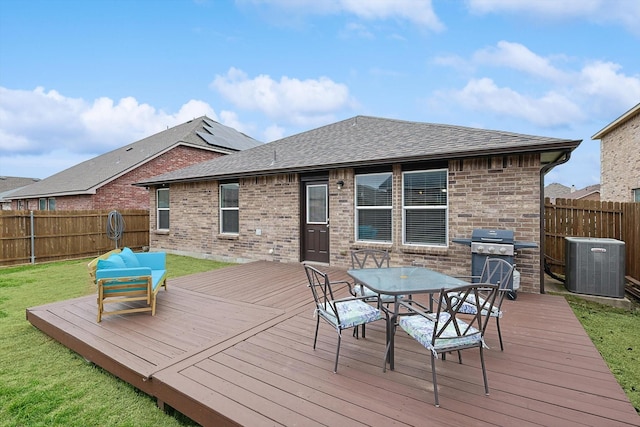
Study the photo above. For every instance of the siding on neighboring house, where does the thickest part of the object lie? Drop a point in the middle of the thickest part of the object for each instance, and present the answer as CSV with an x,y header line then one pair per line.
x,y
620,158
489,192
121,193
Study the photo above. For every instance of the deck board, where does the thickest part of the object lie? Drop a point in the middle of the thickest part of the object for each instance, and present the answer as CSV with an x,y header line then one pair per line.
x,y
234,347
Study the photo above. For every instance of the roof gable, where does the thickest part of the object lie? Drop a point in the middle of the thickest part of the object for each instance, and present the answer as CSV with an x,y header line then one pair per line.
x,y
86,177
617,122
365,140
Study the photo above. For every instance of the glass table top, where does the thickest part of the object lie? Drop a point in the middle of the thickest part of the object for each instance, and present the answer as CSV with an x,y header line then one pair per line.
x,y
404,280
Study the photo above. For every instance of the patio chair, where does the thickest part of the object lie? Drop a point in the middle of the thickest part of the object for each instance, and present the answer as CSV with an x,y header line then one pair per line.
x,y
444,331
342,313
369,258
498,272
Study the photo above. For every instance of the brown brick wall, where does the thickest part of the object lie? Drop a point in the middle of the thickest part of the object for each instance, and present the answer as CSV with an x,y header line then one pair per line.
x,y
269,221
121,194
620,162
501,192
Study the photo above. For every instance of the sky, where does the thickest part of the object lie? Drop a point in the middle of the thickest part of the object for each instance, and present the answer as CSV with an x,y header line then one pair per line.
x,y
80,78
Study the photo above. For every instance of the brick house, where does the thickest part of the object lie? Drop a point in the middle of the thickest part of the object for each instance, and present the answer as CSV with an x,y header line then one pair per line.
x,y
9,185
558,191
364,182
620,158
105,182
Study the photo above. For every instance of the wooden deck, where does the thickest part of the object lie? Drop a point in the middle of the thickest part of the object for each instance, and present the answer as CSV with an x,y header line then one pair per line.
x,y
234,347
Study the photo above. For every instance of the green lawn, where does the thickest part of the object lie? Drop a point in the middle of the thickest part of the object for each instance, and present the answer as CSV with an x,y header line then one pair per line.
x,y
616,334
42,383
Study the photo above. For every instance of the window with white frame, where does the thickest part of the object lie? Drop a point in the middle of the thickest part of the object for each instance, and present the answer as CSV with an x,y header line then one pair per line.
x,y
162,205
42,204
229,208
425,207
52,204
374,206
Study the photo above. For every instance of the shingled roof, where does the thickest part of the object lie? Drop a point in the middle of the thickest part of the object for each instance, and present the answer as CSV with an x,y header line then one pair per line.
x,y
86,177
364,140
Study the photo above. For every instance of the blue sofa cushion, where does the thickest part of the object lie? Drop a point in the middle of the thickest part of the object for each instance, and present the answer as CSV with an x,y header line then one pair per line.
x,y
129,258
114,261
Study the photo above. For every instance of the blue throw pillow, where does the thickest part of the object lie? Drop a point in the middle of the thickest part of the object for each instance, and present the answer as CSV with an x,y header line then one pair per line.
x,y
129,258
114,261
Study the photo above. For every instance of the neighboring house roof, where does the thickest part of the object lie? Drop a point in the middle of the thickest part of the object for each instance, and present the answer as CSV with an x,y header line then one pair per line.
x,y
86,177
11,184
584,192
617,122
366,141
559,191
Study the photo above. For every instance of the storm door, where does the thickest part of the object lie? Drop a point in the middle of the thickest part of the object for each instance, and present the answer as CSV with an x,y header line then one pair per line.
x,y
315,236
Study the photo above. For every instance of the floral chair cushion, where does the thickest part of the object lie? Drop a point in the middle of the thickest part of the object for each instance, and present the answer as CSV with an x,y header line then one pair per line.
x,y
351,313
422,329
469,307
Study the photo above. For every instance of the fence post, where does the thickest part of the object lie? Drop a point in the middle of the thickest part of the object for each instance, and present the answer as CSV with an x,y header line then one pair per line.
x,y
33,243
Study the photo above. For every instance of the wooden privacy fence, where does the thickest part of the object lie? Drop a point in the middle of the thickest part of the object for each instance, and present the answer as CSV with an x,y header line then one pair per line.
x,y
590,218
41,236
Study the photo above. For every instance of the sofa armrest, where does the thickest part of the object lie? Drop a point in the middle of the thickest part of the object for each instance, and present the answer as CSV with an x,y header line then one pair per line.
x,y
153,260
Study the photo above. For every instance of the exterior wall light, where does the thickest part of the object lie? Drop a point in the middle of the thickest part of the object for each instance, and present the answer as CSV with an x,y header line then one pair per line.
x,y
340,184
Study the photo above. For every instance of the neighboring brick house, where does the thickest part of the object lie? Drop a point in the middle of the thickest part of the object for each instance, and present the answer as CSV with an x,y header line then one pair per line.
x,y
558,191
9,185
105,182
620,158
364,182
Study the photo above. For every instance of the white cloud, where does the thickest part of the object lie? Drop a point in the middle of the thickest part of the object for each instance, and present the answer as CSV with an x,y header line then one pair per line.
x,y
297,101
273,133
44,131
564,96
519,57
619,12
418,12
603,81
548,110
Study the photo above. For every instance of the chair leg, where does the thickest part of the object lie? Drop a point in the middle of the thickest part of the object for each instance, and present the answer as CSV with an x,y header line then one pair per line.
x,y
484,372
315,338
363,331
355,332
499,333
335,368
435,381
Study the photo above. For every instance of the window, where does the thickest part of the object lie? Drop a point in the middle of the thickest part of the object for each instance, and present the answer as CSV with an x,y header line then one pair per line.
x,y
374,204
162,202
317,205
636,194
424,207
42,204
52,204
229,208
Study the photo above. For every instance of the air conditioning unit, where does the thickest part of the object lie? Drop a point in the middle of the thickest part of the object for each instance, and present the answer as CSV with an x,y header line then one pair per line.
x,y
595,266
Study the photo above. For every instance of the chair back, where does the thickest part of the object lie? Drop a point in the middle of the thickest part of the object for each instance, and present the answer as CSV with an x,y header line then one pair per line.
x,y
499,272
321,289
448,325
369,258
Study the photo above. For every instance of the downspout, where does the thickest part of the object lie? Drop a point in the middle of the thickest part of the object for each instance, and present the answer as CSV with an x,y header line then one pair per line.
x,y
543,171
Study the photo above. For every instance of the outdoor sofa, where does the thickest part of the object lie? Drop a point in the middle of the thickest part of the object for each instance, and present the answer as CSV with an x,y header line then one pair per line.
x,y
131,279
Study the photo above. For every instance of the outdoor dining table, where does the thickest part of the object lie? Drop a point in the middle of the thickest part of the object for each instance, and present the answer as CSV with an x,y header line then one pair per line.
x,y
399,282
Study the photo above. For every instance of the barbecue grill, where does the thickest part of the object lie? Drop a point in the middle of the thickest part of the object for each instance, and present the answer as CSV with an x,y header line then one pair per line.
x,y
490,243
